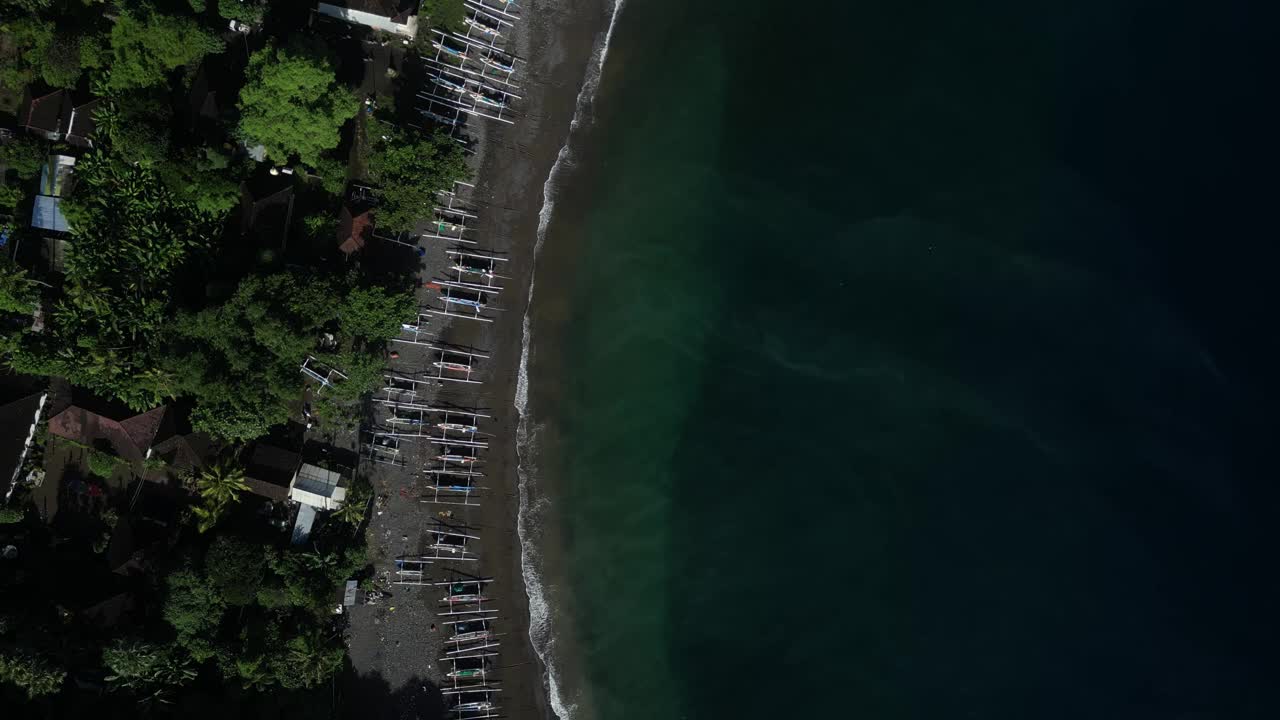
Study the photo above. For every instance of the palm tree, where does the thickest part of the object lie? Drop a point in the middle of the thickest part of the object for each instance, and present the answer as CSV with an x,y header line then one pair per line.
x,y
207,516
312,660
221,484
253,673
352,511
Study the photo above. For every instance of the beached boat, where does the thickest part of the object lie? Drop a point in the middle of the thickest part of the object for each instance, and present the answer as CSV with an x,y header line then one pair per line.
x,y
477,304
498,65
481,27
449,85
456,367
473,270
448,50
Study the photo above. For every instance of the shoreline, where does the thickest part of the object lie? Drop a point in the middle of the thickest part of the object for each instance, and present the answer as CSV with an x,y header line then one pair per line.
x,y
531,513
391,646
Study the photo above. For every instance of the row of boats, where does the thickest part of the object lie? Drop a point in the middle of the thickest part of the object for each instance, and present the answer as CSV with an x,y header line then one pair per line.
x,y
471,75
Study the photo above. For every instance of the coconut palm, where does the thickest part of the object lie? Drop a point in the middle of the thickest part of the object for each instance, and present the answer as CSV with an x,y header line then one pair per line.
x,y
311,659
352,511
207,516
254,674
220,484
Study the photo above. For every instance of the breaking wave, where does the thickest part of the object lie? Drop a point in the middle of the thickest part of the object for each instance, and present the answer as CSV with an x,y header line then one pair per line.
x,y
531,511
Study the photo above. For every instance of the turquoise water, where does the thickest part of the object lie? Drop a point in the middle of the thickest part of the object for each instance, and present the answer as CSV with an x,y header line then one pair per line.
x,y
886,368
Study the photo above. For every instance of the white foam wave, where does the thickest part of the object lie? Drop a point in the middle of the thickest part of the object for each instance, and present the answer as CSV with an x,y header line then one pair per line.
x,y
540,630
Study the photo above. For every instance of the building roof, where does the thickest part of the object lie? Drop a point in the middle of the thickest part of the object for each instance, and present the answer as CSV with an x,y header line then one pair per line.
x,y
270,470
302,525
56,113
130,434
81,126
47,113
55,184
318,487
266,208
397,10
353,230
185,451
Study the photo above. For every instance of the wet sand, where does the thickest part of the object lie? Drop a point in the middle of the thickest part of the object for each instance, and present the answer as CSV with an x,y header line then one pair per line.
x,y
393,650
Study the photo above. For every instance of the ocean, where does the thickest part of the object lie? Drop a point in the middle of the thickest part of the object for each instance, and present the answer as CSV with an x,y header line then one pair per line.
x,y
910,360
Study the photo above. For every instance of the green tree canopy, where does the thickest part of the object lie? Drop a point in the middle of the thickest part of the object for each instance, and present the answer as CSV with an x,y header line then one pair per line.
x,y
33,674
291,103
27,41
24,156
446,14
410,168
221,483
374,313
237,568
148,669
18,292
130,235
249,12
192,605
145,45
207,178
307,661
241,360
135,125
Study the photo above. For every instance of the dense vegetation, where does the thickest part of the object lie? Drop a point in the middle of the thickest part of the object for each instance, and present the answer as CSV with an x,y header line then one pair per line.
x,y
164,294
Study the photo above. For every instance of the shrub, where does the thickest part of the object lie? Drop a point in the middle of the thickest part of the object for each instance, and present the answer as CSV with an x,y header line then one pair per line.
x,y
103,464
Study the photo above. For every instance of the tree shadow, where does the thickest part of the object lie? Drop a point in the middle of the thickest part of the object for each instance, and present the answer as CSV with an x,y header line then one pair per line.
x,y
370,696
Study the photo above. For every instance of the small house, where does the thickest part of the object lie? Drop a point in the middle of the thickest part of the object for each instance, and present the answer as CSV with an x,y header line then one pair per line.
x,y
56,116
318,487
270,471
266,210
353,230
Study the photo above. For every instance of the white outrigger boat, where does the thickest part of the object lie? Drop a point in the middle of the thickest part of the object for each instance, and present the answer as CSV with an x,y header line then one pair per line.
x,y
454,366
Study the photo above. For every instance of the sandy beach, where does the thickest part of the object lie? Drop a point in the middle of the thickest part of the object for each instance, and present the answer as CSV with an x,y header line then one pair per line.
x,y
393,647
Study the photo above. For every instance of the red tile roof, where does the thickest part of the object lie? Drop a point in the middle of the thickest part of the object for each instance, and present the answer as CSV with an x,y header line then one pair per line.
x,y
353,230
130,436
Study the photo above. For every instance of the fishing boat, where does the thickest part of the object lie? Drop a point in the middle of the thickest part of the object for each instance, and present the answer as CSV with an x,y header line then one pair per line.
x,y
472,636
464,459
498,65
486,100
491,32
472,270
457,427
448,50
456,367
477,304
466,674
449,85
441,119
464,598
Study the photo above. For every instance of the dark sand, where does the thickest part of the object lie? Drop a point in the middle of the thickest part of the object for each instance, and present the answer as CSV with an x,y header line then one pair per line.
x,y
394,652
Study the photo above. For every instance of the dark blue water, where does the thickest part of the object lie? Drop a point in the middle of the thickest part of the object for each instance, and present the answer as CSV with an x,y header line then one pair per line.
x,y
915,360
